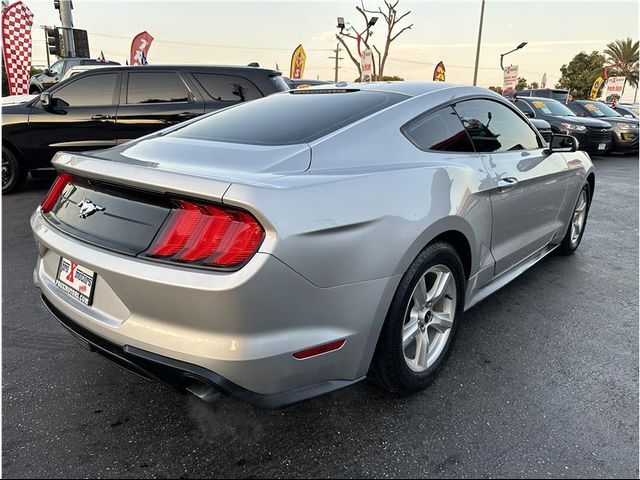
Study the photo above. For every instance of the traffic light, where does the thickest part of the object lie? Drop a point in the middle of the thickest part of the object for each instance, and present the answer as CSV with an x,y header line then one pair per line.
x,y
81,41
53,41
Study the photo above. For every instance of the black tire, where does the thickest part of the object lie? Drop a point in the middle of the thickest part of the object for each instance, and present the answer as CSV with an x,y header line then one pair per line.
x,y
35,91
389,368
567,247
13,174
43,174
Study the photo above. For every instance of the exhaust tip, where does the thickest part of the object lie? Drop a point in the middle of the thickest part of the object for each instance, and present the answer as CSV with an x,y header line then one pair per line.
x,y
204,392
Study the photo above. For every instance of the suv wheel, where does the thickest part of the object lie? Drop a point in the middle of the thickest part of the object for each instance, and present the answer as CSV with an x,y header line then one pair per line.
x,y
13,174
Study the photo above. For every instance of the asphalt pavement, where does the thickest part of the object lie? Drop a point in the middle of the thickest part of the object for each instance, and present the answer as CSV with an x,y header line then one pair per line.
x,y
542,382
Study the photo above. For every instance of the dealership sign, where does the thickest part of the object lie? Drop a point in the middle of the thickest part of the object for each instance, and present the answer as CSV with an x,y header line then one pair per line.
x,y
510,79
615,86
366,63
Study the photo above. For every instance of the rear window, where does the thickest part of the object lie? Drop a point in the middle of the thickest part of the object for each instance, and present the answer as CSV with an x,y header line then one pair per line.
x,y
225,88
287,118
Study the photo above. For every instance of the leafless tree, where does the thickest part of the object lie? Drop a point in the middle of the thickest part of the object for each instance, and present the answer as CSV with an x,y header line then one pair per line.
x,y
392,19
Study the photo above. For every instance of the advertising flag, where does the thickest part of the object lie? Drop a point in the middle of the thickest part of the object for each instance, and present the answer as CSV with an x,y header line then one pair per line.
x,y
17,20
595,88
510,79
543,82
140,48
366,66
298,59
439,73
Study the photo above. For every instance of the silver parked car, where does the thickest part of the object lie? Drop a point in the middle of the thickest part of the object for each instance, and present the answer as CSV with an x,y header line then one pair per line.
x,y
284,248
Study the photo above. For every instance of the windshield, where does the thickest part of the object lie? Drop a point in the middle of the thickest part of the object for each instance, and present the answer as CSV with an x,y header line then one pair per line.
x,y
597,109
551,107
288,118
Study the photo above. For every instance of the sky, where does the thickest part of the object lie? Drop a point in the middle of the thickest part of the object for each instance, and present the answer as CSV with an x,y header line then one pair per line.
x,y
267,32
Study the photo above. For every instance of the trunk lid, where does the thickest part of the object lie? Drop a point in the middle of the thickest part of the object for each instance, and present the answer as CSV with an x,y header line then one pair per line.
x,y
127,191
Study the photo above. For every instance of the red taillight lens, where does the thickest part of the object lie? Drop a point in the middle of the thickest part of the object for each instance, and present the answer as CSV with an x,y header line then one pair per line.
x,y
207,235
319,350
55,191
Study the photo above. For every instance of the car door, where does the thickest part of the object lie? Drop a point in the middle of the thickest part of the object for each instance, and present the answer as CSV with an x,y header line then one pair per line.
x,y
81,116
153,100
529,184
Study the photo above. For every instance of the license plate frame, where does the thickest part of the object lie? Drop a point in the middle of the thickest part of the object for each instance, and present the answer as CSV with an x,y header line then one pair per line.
x,y
82,284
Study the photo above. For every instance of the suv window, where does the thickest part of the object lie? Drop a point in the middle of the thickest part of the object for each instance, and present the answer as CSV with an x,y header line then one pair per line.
x,y
524,107
87,91
225,88
494,127
156,87
56,68
441,131
261,123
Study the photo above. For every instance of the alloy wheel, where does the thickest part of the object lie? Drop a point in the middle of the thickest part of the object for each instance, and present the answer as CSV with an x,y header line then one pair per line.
x,y
7,172
579,218
429,317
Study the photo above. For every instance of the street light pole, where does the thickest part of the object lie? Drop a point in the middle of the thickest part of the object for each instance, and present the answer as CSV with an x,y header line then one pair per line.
x,y
502,55
475,70
67,28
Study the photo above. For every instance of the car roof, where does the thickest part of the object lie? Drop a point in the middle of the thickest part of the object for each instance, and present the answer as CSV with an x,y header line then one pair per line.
x,y
411,89
194,68
544,99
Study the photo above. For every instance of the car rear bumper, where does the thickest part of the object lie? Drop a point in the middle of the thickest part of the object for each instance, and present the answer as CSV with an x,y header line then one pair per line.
x,y
181,375
239,330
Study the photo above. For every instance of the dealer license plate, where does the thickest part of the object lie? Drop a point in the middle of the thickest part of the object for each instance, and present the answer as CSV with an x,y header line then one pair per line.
x,y
76,280
602,146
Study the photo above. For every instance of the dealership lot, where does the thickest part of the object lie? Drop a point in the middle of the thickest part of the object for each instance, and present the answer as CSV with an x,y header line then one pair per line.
x,y
543,381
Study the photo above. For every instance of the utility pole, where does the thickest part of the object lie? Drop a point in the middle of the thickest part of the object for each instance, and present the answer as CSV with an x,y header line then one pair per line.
x,y
67,28
337,58
475,70
46,44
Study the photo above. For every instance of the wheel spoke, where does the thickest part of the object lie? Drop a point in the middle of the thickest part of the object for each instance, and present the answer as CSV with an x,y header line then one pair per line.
x,y
420,294
422,347
440,321
439,286
409,331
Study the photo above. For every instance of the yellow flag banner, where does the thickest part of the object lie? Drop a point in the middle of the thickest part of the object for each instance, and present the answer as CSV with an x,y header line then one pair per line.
x,y
596,87
298,59
439,73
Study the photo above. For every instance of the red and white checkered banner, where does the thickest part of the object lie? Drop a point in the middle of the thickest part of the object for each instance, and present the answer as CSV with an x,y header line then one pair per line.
x,y
16,46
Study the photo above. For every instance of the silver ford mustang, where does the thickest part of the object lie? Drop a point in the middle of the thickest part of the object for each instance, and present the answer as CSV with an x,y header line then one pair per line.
x,y
284,248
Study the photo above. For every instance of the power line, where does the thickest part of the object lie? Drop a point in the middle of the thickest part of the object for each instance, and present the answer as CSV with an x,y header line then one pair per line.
x,y
210,45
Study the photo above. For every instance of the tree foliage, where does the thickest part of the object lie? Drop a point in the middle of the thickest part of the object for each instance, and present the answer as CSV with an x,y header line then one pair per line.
x,y
497,89
521,84
624,55
579,74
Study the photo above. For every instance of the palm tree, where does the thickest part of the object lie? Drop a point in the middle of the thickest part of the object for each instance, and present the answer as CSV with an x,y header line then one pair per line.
x,y
623,55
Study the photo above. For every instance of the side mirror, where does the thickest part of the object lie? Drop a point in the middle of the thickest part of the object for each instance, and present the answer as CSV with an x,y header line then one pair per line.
x,y
45,99
562,143
528,114
46,72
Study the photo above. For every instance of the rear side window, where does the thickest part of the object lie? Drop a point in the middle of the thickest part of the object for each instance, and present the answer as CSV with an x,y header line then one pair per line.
x,y
93,90
287,118
156,87
439,131
224,88
494,127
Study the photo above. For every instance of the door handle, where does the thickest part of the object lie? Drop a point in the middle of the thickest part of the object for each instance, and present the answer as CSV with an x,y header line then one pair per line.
x,y
507,183
101,117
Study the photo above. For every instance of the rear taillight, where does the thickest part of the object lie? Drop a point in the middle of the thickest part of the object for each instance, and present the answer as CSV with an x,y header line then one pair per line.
x,y
207,235
55,191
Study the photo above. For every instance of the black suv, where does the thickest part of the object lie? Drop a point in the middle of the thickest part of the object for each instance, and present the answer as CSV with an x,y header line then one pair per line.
x,y
593,135
625,130
104,107
52,75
